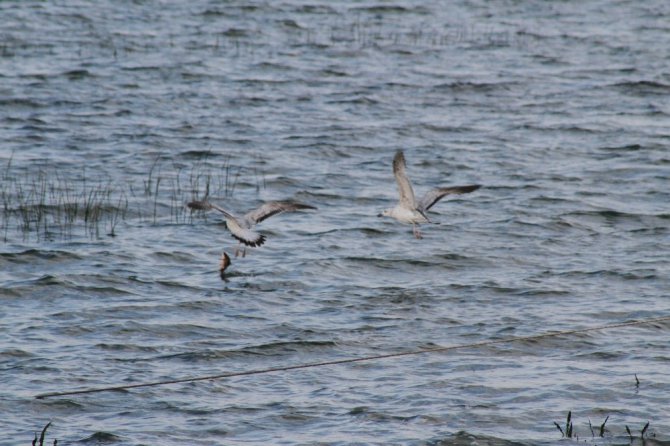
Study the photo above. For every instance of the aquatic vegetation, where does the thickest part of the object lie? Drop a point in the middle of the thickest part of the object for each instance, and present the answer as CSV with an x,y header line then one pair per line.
x,y
43,436
601,432
568,426
643,432
47,205
569,431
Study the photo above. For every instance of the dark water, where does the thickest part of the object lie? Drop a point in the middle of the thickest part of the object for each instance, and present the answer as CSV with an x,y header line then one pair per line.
x,y
559,109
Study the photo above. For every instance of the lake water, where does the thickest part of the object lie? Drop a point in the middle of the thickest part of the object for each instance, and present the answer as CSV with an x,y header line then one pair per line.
x,y
114,114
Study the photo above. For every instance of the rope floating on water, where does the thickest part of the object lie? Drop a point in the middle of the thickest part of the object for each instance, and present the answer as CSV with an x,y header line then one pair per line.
x,y
353,360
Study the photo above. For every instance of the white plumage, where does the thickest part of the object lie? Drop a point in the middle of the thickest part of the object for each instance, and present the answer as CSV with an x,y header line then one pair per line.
x,y
409,210
242,227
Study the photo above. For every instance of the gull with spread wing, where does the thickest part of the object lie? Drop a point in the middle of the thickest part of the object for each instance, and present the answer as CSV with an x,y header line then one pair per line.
x,y
242,227
409,210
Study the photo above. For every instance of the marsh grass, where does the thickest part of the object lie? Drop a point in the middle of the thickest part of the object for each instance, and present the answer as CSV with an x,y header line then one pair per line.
x,y
643,432
47,205
601,432
42,437
570,432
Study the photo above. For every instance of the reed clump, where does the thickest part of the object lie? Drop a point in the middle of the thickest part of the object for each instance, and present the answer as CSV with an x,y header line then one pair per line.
x,y
40,441
46,204
569,430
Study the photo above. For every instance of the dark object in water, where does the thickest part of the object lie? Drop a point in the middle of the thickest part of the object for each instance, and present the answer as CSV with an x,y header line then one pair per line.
x,y
224,263
41,440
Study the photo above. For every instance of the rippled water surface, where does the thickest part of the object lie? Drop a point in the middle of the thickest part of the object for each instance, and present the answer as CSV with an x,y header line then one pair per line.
x,y
114,114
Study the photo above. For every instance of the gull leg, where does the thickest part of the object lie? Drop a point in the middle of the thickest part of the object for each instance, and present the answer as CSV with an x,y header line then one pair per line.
x,y
417,232
244,251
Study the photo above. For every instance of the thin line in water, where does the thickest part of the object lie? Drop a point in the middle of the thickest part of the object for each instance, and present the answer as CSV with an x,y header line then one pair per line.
x,y
353,360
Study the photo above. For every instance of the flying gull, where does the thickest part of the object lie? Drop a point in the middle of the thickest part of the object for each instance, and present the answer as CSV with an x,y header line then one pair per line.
x,y
242,227
409,210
